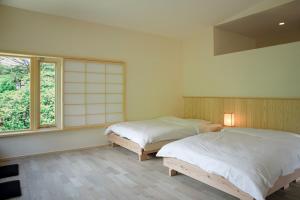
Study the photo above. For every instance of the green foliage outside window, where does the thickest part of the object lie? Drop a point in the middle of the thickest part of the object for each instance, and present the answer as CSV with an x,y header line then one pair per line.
x,y
47,109
15,94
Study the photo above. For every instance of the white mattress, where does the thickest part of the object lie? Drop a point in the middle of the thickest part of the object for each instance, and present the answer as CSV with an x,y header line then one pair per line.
x,y
155,130
251,159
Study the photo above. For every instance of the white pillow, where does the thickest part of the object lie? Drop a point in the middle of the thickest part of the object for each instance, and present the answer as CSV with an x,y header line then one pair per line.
x,y
200,121
212,128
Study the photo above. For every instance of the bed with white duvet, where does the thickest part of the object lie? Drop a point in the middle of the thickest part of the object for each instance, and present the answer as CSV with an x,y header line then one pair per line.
x,y
164,128
148,136
250,159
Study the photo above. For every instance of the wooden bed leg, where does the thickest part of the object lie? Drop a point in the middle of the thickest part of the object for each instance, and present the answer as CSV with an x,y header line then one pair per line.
x,y
114,145
172,172
143,157
247,198
286,186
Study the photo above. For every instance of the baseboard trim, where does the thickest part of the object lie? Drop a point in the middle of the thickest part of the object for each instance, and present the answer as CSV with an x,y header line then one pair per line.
x,y
5,159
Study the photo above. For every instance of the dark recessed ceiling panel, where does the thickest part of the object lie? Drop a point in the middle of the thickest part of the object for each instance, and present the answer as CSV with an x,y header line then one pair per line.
x,y
278,25
268,21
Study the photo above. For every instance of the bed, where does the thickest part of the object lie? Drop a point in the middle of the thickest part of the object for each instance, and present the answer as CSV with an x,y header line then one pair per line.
x,y
148,136
246,163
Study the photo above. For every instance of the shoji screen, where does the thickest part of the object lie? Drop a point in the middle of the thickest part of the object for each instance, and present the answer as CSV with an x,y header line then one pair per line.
x,y
93,93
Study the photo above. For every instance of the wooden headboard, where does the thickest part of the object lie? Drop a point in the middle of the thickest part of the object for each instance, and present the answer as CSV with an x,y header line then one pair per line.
x,y
267,113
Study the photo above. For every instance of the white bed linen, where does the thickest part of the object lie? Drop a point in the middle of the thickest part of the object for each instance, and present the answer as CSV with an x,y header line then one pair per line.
x,y
164,128
251,159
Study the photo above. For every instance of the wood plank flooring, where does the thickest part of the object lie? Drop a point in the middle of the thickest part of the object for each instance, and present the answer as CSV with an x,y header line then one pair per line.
x,y
113,173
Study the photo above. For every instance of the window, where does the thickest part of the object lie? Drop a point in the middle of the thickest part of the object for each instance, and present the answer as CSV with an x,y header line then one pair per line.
x,y
47,94
14,93
93,93
38,93
29,93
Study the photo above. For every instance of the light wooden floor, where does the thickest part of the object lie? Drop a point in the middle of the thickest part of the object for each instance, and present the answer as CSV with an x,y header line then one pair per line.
x,y
106,173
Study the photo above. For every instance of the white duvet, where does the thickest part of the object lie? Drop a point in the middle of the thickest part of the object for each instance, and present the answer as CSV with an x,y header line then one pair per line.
x,y
251,159
164,128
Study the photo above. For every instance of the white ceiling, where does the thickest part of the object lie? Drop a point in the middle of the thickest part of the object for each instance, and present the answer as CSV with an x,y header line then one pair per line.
x,y
173,18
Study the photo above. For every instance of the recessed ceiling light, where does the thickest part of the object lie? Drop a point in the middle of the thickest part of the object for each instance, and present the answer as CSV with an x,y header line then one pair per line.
x,y
281,23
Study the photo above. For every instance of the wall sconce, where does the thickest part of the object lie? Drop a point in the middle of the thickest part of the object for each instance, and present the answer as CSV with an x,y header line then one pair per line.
x,y
229,119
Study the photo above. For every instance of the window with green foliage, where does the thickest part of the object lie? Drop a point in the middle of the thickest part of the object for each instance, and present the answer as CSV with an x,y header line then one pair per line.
x,y
47,94
28,93
14,93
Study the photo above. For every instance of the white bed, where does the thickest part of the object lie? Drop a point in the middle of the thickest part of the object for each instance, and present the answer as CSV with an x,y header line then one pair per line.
x,y
252,160
150,135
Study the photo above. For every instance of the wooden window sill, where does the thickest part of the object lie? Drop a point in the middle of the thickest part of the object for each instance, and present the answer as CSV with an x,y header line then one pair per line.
x,y
49,130
29,132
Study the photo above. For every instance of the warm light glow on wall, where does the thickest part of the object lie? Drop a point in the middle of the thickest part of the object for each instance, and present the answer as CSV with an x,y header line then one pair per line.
x,y
229,119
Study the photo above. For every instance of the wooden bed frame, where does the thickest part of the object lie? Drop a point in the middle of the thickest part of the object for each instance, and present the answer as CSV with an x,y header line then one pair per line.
x,y
220,182
143,153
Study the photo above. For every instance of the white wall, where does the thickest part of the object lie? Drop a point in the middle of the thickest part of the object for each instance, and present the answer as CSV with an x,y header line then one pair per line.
x,y
154,74
50,142
265,72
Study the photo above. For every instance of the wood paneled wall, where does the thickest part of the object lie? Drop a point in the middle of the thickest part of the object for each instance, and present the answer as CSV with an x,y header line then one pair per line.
x,y
266,113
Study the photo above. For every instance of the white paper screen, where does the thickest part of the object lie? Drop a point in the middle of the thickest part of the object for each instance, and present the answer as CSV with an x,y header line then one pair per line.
x,y
93,93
